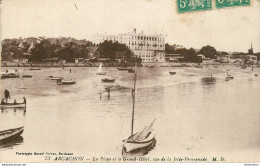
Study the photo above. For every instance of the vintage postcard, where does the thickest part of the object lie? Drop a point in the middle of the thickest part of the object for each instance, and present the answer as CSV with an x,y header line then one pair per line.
x,y
130,81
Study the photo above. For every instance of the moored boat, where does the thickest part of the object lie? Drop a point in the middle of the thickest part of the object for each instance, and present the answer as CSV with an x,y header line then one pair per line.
x,y
100,71
131,144
27,76
11,133
229,77
141,139
123,68
12,105
131,71
172,72
10,75
34,69
67,82
55,78
108,80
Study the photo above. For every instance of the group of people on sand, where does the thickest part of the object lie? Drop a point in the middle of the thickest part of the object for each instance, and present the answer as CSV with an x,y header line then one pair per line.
x,y
7,96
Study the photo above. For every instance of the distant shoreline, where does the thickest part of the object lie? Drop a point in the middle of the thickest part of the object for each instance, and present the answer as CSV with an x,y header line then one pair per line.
x,y
49,65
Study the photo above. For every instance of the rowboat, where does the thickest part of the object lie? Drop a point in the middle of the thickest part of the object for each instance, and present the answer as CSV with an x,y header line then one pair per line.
x,y
67,82
34,69
100,71
131,71
131,144
27,76
172,72
9,75
108,80
12,105
55,78
229,77
11,133
140,139
123,69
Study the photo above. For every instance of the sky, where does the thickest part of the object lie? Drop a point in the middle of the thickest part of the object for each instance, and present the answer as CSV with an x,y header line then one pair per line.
x,y
230,29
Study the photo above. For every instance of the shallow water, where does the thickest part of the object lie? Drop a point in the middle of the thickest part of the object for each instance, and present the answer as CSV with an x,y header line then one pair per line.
x,y
191,117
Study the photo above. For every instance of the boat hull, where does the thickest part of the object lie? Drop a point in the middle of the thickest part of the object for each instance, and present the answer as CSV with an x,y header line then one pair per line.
x,y
101,73
67,82
108,80
55,78
123,69
11,134
11,105
131,145
172,72
8,76
27,76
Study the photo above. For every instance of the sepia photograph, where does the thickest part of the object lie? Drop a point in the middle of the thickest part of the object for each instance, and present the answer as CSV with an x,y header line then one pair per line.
x,y
130,81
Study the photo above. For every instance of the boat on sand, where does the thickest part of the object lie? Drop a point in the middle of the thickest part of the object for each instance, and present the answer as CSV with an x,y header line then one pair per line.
x,y
140,139
11,133
10,75
108,80
172,72
12,105
123,69
67,82
55,78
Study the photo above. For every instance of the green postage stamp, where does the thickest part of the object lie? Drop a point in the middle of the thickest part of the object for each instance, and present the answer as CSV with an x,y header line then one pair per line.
x,y
231,3
193,5
198,5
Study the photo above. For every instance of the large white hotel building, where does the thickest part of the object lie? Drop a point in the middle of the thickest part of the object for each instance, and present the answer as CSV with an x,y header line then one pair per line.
x,y
151,48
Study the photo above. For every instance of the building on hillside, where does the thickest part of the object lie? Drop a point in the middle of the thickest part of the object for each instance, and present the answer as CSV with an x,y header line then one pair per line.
x,y
237,57
175,58
223,58
150,48
20,60
252,59
206,61
79,60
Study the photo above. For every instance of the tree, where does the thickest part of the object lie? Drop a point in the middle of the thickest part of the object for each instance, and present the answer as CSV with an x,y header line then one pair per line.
x,y
113,50
42,51
208,52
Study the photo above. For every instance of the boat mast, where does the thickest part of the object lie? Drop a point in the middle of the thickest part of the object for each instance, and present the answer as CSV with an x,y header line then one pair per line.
x,y
133,93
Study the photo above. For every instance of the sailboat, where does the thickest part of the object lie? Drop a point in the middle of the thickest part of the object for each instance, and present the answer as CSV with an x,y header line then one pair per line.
x,y
100,72
140,139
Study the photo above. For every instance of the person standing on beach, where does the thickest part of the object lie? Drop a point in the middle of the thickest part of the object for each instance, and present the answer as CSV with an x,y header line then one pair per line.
x,y
7,95
24,100
108,93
